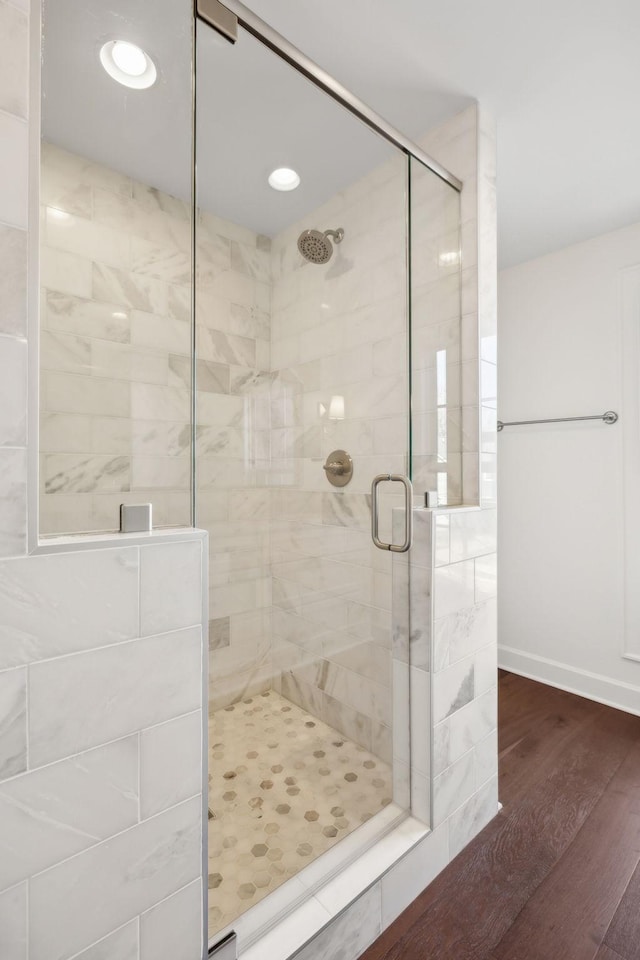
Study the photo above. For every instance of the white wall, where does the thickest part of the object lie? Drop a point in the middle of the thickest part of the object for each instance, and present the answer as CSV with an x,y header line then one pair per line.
x,y
561,517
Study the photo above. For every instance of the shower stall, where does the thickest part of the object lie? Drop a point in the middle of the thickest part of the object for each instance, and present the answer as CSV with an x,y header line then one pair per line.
x,y
327,357
263,337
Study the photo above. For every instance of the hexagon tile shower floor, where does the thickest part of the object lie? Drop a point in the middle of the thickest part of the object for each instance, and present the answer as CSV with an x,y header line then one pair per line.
x,y
284,788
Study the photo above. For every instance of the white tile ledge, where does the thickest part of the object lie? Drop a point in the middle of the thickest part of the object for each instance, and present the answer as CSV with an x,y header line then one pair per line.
x,y
305,922
450,508
111,540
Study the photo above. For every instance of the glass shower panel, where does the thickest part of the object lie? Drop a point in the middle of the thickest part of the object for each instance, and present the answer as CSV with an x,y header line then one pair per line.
x,y
436,361
115,257
301,353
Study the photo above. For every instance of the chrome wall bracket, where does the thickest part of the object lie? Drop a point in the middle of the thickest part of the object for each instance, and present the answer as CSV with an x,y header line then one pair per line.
x,y
219,17
135,517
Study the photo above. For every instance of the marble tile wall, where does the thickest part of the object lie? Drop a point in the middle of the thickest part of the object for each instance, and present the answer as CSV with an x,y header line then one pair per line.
x,y
100,749
436,359
463,542
338,330
233,446
116,380
100,849
465,147
14,132
463,670
114,347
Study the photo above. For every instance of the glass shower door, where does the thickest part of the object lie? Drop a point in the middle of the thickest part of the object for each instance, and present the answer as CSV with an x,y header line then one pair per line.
x,y
302,400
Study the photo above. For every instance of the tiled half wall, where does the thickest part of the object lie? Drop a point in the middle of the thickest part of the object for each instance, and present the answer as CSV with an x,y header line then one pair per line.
x,y
101,752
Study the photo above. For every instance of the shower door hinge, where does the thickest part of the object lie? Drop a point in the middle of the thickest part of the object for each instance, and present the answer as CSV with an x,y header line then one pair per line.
x,y
219,17
226,949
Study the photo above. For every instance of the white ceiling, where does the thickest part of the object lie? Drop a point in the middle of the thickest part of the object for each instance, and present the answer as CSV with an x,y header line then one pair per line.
x,y
561,76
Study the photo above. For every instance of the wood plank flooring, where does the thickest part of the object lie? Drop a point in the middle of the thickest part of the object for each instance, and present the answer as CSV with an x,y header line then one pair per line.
x,y
556,875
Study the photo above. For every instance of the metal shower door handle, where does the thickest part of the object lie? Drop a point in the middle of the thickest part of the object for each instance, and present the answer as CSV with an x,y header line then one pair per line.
x,y
408,516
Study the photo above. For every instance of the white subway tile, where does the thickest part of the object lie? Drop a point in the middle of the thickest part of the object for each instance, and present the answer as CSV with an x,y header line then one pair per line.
x,y
13,502
170,763
67,393
170,586
173,929
471,818
420,734
53,605
486,758
453,787
129,289
50,814
13,392
86,238
80,701
473,534
486,669
468,630
13,722
453,688
64,272
76,902
121,945
14,163
453,588
82,473
13,281
471,724
486,578
14,62
13,923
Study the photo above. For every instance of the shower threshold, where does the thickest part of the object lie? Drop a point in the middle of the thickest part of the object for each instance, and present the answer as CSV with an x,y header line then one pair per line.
x,y
284,788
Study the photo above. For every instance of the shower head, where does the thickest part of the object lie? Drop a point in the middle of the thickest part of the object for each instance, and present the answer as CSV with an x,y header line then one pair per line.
x,y
316,246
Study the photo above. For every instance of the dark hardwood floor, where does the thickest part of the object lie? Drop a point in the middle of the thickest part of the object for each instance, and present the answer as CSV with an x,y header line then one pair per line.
x,y
556,875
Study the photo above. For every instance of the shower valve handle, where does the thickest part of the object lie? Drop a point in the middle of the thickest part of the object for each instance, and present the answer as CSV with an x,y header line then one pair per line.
x,y
338,468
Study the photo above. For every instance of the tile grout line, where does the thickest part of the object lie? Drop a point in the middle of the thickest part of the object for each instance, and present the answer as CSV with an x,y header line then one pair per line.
x,y
98,746
139,771
105,646
120,833
102,939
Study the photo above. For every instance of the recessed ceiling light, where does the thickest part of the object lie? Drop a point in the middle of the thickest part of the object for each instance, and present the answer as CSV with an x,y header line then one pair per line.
x,y
128,64
284,179
449,258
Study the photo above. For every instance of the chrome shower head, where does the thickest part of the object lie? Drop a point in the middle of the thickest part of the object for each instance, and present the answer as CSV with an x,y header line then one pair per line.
x,y
316,246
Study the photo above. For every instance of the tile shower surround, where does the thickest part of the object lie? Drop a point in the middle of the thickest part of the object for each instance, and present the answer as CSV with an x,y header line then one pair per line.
x,y
166,927
293,576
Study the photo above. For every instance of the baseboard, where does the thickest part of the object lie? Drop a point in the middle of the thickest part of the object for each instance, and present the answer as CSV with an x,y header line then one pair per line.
x,y
594,686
